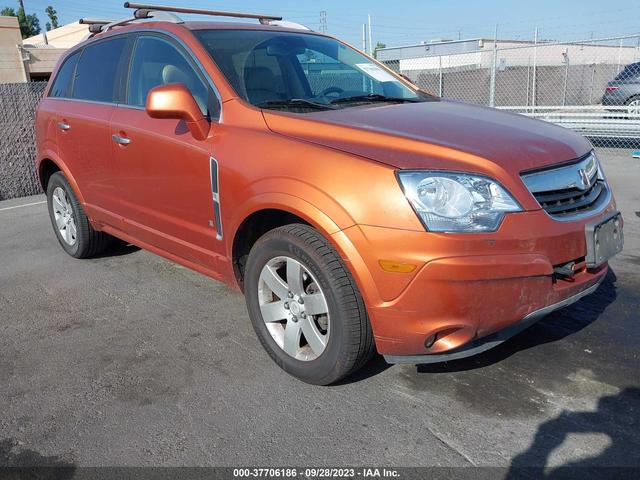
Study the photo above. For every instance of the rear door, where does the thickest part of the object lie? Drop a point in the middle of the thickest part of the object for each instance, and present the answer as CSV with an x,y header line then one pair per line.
x,y
164,175
84,112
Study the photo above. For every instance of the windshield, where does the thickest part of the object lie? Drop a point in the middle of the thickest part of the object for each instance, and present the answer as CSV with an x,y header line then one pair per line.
x,y
301,72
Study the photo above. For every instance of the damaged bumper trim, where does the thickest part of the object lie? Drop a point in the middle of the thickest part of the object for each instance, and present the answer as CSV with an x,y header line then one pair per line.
x,y
490,341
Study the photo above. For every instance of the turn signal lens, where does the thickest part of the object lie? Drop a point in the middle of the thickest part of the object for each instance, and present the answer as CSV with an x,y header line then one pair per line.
x,y
396,267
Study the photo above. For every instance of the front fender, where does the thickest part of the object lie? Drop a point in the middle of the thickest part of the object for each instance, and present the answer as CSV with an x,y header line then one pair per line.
x,y
286,202
321,221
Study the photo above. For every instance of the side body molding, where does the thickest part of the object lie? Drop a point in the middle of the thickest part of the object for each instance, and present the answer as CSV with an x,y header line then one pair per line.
x,y
215,190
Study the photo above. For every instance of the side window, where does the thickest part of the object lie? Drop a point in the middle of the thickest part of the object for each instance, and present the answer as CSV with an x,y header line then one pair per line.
x,y
97,71
629,72
156,62
62,83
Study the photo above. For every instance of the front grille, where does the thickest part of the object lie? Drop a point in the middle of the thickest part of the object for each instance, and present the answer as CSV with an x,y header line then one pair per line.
x,y
569,191
570,201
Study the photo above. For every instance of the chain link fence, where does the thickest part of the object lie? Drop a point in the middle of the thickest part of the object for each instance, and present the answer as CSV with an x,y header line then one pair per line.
x,y
18,103
592,87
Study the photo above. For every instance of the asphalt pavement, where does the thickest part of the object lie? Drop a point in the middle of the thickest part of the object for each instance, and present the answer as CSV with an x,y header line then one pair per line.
x,y
131,360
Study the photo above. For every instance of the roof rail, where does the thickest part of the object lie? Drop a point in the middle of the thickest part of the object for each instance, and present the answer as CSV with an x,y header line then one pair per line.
x,y
144,9
97,26
93,21
168,13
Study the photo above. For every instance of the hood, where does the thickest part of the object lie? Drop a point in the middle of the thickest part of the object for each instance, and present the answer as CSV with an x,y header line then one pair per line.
x,y
440,134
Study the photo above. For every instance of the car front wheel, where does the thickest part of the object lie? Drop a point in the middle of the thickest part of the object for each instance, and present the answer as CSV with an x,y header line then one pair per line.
x,y
305,307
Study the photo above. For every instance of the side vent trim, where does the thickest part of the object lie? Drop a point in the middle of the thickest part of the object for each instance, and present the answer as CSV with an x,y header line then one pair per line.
x,y
215,191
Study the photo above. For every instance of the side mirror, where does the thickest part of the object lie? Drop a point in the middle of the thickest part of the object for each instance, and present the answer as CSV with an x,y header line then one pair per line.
x,y
175,101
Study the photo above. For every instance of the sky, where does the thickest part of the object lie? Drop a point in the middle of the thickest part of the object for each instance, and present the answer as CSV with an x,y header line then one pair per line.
x,y
404,22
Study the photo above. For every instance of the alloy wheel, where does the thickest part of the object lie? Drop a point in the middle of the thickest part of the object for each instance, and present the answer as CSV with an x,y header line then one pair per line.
x,y
633,107
64,217
294,308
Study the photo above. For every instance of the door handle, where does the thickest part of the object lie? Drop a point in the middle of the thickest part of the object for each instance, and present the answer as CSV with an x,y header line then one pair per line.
x,y
120,140
64,126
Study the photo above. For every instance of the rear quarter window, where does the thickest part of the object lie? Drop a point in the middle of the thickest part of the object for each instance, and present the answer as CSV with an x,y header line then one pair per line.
x,y
61,86
629,72
97,71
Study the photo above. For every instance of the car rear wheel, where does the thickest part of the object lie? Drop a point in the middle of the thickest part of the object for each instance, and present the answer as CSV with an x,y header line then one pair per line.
x,y
70,223
305,307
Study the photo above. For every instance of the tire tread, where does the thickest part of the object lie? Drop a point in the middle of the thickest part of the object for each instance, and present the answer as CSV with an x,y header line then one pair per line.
x,y
361,346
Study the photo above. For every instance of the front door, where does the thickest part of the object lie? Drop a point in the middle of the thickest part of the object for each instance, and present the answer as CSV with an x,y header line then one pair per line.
x,y
163,173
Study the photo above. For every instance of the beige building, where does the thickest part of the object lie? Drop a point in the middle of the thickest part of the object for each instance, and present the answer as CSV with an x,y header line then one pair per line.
x,y
62,37
34,58
12,67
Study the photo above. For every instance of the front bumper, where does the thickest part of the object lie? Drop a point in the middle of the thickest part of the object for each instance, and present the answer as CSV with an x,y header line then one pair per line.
x,y
490,341
468,292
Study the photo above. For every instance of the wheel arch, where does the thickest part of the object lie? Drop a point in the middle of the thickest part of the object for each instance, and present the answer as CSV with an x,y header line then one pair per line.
x,y
46,168
50,164
631,98
269,211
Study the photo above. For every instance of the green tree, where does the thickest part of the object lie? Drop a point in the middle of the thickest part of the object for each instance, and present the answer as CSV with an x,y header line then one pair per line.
x,y
379,45
53,17
29,24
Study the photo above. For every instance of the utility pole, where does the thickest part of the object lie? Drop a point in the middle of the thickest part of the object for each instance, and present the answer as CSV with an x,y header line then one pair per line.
x,y
535,67
22,7
364,38
494,62
323,21
364,49
370,39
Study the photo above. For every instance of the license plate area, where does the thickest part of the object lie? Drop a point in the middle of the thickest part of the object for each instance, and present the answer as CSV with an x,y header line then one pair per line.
x,y
604,240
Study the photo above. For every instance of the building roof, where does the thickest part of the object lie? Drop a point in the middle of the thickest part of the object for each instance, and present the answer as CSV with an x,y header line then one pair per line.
x,y
65,36
453,42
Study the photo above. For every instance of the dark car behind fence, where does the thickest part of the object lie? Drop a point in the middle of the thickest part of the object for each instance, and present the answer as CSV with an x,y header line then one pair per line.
x,y
18,103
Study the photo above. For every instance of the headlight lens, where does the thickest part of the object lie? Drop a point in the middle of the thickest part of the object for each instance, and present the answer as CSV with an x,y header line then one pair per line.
x,y
457,202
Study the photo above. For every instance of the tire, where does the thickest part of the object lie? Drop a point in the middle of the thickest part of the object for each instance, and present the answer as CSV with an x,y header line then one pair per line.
x,y
633,104
348,338
70,224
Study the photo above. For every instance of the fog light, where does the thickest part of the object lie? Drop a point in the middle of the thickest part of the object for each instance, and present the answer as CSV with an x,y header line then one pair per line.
x,y
430,340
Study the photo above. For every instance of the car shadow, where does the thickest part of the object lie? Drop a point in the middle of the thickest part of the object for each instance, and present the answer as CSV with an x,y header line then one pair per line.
x,y
552,328
616,417
117,248
19,462
372,368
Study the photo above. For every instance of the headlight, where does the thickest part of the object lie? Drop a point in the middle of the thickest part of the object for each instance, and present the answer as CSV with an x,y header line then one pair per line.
x,y
456,202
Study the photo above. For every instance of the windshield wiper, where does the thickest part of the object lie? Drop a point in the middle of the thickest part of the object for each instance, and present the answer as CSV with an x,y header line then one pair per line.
x,y
372,97
295,102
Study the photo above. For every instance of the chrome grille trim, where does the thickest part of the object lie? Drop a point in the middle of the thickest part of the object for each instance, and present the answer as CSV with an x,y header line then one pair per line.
x,y
570,192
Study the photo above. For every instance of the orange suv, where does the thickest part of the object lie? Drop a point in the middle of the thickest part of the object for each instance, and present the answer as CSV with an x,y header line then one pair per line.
x,y
355,211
